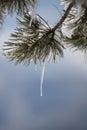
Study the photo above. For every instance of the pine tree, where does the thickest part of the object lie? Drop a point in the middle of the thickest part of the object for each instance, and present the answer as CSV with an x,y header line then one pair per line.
x,y
36,40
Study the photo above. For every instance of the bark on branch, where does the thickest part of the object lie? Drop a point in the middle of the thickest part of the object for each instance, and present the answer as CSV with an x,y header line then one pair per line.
x,y
63,17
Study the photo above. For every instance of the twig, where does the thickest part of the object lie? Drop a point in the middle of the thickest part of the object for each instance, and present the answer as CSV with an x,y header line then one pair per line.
x,y
63,17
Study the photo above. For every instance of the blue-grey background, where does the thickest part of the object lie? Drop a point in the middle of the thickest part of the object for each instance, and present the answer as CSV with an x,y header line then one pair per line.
x,y
63,105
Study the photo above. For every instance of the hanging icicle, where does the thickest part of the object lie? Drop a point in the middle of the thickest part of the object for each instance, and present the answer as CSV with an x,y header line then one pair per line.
x,y
42,77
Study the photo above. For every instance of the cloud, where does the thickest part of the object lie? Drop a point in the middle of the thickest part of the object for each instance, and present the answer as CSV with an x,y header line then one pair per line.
x,y
22,114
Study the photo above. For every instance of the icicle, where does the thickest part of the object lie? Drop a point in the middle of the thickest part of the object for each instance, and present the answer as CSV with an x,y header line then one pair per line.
x,y
42,77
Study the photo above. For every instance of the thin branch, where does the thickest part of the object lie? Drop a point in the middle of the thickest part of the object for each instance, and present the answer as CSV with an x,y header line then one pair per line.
x,y
63,17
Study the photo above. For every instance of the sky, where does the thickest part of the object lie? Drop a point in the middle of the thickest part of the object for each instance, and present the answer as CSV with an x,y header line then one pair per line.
x,y
63,105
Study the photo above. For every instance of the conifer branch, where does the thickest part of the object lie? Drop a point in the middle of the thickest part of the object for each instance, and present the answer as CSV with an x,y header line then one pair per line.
x,y
63,17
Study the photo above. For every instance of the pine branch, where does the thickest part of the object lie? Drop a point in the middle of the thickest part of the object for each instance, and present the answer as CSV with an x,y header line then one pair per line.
x,y
63,17
33,42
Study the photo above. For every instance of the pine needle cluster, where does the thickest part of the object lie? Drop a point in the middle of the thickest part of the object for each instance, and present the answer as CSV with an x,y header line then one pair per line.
x,y
15,6
78,41
33,40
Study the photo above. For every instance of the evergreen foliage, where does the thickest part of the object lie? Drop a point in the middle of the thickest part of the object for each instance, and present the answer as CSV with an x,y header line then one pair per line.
x,y
35,40
15,6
